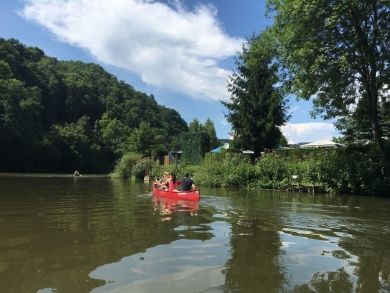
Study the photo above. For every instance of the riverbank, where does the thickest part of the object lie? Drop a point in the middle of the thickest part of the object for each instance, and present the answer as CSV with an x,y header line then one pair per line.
x,y
350,170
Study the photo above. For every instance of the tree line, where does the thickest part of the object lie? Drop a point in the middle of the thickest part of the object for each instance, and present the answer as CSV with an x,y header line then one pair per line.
x,y
335,53
58,116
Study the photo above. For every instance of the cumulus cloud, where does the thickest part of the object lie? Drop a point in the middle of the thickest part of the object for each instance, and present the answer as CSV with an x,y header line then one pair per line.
x,y
167,45
309,132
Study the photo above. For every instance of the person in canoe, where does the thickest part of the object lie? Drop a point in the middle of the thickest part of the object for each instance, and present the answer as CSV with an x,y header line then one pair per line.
x,y
163,183
187,183
172,182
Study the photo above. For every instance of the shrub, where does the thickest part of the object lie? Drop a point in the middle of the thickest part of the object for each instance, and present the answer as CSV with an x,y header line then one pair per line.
x,y
156,169
141,168
194,146
125,164
271,171
354,169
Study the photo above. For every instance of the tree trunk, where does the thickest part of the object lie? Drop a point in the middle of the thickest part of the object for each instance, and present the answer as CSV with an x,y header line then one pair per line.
x,y
376,130
373,89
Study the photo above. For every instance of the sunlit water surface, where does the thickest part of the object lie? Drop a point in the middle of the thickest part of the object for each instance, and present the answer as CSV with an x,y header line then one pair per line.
x,y
88,234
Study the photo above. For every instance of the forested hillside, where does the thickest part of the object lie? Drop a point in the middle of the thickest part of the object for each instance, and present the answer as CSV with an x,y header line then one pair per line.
x,y
58,116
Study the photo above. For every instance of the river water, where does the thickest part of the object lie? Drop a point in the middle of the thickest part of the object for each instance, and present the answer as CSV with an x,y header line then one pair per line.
x,y
88,234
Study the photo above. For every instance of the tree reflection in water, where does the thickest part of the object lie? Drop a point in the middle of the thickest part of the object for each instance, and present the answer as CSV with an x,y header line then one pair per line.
x,y
338,281
254,268
255,264
373,266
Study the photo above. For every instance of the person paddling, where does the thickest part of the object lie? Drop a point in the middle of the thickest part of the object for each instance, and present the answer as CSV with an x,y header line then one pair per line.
x,y
187,183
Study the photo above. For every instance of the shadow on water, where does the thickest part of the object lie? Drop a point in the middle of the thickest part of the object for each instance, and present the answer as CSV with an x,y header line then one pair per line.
x,y
95,234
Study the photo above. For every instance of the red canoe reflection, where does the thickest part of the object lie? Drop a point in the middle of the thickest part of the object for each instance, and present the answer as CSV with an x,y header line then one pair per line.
x,y
167,206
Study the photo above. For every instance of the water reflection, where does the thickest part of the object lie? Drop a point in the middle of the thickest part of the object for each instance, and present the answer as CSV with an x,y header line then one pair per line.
x,y
329,240
181,266
167,207
100,235
193,260
255,264
337,281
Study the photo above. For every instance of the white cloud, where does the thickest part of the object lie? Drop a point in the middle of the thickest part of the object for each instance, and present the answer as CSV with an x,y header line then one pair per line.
x,y
308,132
168,46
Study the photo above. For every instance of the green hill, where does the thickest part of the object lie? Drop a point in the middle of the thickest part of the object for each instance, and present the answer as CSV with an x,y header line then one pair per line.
x,y
58,116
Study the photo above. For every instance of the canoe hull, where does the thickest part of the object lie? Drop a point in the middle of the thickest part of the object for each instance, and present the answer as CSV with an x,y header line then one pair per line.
x,y
193,195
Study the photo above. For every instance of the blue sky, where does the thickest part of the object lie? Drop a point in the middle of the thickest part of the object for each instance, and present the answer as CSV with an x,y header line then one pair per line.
x,y
179,51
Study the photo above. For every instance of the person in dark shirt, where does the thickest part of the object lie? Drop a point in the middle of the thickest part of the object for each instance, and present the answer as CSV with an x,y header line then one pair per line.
x,y
187,184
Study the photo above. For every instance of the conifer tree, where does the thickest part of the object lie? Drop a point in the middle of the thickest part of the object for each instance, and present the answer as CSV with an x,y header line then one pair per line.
x,y
256,109
210,129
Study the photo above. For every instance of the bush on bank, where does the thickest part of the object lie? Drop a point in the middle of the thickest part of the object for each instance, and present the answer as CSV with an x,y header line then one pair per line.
x,y
354,169
123,168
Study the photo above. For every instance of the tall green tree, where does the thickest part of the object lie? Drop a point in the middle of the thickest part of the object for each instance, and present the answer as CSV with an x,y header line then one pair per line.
x,y
337,52
147,140
209,128
76,147
195,126
114,134
256,109
194,146
20,124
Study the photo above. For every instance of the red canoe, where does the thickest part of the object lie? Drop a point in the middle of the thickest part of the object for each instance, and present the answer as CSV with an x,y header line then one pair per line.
x,y
193,195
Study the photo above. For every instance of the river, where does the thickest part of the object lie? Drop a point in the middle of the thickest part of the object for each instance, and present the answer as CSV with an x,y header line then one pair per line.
x,y
93,234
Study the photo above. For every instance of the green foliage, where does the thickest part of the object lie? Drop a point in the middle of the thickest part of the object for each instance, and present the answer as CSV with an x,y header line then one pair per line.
x,y
141,168
114,134
355,170
208,128
257,108
124,167
337,52
71,147
20,123
194,145
195,126
283,141
272,172
212,171
60,115
5,70
147,140
225,169
156,170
